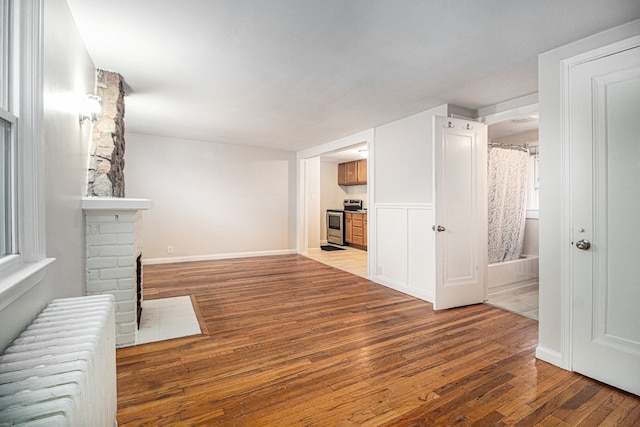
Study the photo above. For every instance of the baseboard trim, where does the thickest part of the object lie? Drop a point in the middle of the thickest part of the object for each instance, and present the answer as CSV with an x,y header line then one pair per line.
x,y
214,257
425,296
548,355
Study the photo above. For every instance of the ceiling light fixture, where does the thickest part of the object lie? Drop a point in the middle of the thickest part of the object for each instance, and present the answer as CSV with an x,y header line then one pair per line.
x,y
90,108
527,119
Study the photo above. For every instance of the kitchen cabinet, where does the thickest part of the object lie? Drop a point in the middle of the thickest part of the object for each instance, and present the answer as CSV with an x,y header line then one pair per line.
x,y
352,173
361,171
355,229
342,174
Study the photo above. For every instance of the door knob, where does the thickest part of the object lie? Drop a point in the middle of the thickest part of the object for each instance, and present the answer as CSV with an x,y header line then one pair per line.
x,y
583,244
440,228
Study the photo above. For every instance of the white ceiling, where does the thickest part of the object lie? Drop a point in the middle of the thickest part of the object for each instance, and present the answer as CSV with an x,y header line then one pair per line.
x,y
292,74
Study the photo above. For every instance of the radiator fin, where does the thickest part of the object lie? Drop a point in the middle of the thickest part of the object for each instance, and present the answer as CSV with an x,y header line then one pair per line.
x,y
61,371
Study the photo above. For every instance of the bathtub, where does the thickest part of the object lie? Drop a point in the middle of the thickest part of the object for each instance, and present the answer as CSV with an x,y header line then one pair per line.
x,y
511,274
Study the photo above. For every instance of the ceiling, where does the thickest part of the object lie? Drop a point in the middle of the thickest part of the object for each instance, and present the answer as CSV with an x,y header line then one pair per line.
x,y
293,74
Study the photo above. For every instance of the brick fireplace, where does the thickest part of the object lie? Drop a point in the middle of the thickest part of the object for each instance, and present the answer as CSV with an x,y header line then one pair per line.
x,y
113,257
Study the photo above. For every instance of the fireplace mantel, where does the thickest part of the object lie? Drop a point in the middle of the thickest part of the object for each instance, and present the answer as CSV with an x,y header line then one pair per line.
x,y
115,204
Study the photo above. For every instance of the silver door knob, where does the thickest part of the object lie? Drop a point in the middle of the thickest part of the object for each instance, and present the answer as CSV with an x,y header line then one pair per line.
x,y
440,228
583,244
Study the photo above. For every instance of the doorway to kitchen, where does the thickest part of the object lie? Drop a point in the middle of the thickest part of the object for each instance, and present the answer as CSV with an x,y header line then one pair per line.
x,y
324,193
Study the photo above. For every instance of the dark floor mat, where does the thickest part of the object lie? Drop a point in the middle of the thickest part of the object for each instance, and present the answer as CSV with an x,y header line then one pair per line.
x,y
331,248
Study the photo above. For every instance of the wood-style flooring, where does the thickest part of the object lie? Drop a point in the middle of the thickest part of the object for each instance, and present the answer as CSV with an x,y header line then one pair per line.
x,y
521,300
289,341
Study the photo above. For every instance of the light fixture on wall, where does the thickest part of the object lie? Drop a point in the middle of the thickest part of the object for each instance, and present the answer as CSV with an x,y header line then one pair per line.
x,y
363,153
90,108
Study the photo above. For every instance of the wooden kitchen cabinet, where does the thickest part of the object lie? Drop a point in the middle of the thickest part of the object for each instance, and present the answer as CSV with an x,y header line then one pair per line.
x,y
352,173
342,174
361,171
355,229
365,230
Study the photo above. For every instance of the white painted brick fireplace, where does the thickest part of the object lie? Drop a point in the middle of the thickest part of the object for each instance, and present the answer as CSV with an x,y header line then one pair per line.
x,y
114,244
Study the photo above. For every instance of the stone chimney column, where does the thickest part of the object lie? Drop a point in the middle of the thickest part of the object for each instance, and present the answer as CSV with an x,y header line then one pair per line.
x,y
106,164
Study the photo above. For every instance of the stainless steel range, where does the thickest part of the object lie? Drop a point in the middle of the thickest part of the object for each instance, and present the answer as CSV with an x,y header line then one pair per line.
x,y
335,220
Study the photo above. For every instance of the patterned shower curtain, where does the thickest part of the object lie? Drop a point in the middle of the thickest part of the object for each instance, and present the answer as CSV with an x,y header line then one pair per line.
x,y
507,185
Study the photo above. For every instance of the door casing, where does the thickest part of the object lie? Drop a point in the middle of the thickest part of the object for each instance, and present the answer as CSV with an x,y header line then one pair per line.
x,y
566,288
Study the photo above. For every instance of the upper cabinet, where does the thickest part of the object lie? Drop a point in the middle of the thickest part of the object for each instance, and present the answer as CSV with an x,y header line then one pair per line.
x,y
352,173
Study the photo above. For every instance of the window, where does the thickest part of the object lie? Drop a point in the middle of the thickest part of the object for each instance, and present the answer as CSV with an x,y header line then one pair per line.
x,y
23,259
8,244
7,228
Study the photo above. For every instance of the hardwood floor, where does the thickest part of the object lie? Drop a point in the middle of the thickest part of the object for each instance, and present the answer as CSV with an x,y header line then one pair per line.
x,y
289,341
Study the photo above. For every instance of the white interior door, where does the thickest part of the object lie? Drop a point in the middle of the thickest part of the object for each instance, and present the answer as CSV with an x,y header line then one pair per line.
x,y
605,202
461,212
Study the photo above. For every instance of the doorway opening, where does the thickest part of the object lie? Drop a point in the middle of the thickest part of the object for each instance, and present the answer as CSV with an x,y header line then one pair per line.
x,y
512,282
320,191
332,196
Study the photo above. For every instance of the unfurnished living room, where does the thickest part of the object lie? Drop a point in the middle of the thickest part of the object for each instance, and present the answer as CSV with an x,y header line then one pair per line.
x,y
319,213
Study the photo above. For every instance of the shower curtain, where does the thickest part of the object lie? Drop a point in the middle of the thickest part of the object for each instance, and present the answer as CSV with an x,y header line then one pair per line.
x,y
507,185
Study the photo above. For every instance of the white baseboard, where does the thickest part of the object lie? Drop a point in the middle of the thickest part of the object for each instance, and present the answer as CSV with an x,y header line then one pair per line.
x,y
214,257
425,296
548,355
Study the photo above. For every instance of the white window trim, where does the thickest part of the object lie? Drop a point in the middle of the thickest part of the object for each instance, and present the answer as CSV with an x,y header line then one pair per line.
x,y
27,268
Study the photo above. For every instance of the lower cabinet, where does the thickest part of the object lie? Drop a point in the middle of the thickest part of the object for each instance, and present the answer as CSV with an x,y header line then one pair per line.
x,y
356,229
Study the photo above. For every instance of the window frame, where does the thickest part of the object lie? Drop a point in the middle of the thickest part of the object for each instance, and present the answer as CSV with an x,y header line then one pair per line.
x,y
8,92
22,271
10,176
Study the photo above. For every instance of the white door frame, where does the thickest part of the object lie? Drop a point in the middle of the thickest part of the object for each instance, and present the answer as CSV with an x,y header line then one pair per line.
x,y
302,230
566,284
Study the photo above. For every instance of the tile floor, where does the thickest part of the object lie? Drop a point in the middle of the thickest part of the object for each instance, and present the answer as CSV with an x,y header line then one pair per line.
x,y
350,259
167,318
522,300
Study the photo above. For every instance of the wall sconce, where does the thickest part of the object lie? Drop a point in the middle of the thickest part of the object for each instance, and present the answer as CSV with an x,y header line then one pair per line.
x,y
90,108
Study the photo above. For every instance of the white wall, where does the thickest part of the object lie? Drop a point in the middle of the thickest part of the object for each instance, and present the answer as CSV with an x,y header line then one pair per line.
x,y
404,249
211,200
68,75
314,203
552,287
404,158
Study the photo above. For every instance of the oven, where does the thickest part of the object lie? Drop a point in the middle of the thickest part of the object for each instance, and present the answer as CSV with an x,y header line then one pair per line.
x,y
335,221
335,227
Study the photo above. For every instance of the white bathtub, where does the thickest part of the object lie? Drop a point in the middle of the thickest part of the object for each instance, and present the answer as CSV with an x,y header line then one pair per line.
x,y
508,274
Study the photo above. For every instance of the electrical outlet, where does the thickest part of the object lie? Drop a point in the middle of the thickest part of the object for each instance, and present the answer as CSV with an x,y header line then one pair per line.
x,y
169,249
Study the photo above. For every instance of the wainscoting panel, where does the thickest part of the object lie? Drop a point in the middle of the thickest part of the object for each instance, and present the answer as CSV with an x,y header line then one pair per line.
x,y
421,261
405,248
391,245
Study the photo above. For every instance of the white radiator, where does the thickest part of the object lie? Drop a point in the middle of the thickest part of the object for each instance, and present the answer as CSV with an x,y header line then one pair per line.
x,y
61,371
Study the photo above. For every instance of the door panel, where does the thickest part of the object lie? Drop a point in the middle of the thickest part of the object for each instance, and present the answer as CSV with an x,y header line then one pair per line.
x,y
605,177
461,245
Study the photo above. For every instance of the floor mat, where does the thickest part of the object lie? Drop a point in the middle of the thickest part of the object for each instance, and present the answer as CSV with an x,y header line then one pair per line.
x,y
331,248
